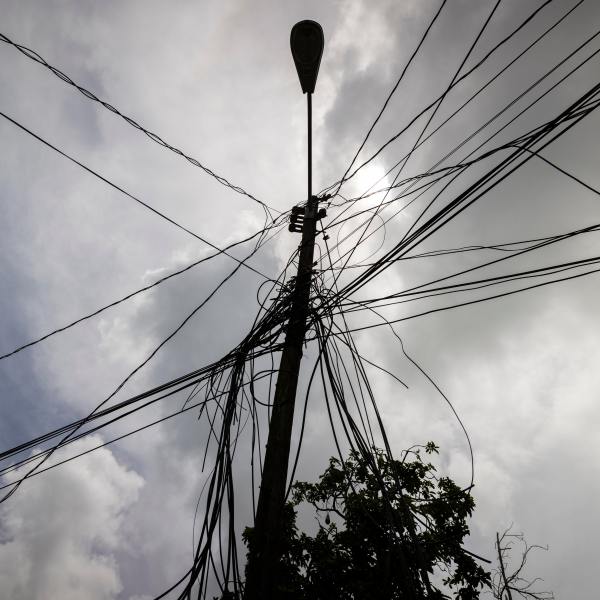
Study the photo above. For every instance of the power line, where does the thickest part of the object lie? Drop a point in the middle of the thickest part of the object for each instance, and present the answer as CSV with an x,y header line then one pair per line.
x,y
125,298
195,379
424,292
129,376
431,116
392,92
506,247
476,301
489,82
472,135
456,82
126,193
569,117
230,399
36,57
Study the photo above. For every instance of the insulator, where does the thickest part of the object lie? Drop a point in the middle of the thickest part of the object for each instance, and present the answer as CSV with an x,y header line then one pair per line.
x,y
296,220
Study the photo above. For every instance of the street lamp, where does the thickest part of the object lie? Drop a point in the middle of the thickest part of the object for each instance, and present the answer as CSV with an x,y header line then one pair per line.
x,y
307,42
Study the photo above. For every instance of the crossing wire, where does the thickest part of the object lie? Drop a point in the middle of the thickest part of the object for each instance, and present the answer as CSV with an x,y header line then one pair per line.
x,y
38,58
230,379
125,298
126,193
476,66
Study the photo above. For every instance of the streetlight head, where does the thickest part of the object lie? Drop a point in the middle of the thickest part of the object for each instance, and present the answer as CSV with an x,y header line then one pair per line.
x,y
307,42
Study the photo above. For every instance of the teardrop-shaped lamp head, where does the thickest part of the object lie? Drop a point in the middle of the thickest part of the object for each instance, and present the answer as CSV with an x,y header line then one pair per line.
x,y
307,42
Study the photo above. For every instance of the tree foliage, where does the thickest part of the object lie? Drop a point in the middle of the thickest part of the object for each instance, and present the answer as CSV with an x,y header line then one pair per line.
x,y
386,529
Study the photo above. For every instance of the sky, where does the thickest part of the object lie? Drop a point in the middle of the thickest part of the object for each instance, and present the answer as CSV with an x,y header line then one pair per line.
x,y
216,80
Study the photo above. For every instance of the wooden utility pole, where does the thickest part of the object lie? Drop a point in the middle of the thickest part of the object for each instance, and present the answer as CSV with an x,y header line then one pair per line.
x,y
265,547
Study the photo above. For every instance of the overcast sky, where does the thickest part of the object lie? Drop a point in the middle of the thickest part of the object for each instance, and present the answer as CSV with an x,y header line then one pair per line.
x,y
216,80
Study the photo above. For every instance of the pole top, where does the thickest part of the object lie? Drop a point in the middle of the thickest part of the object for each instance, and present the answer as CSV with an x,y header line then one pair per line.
x,y
307,42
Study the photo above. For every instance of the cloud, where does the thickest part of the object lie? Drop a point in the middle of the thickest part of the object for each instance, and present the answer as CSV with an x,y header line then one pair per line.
x,y
218,82
61,531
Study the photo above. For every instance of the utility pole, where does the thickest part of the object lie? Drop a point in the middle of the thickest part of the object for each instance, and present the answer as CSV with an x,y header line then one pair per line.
x,y
306,41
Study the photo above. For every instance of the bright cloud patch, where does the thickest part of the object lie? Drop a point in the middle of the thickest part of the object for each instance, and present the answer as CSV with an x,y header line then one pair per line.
x,y
59,531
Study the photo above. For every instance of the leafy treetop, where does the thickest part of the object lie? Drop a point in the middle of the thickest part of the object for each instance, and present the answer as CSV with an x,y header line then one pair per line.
x,y
384,527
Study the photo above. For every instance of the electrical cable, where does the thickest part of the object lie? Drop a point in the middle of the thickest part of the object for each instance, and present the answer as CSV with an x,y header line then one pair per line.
x,y
36,57
126,297
126,193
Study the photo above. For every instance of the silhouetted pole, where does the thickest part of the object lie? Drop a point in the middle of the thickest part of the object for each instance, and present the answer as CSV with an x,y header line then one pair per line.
x,y
306,42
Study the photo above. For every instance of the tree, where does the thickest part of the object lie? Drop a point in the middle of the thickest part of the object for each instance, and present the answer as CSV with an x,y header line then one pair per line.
x,y
509,583
386,528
